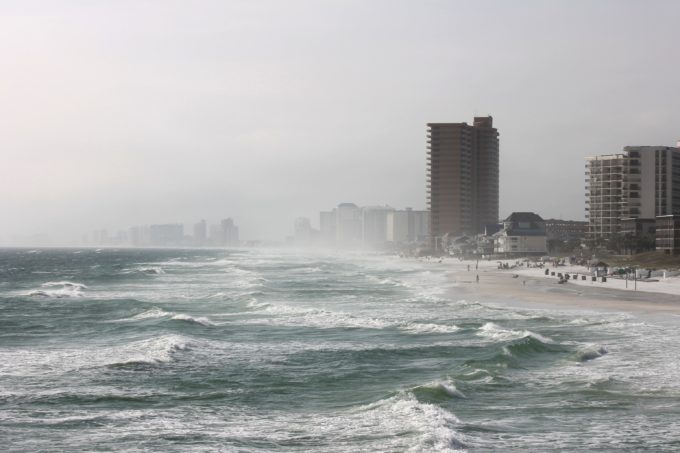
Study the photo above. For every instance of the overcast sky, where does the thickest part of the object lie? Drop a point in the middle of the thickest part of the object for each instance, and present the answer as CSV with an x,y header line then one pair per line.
x,y
115,113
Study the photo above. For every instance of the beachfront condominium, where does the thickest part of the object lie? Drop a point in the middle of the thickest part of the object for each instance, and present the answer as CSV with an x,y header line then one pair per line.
x,y
462,177
642,182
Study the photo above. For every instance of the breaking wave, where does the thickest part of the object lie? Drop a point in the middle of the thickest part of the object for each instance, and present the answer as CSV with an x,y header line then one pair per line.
x,y
591,353
497,333
438,390
156,313
58,290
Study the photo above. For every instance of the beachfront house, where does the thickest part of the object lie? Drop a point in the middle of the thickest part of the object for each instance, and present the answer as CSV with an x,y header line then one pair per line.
x,y
523,234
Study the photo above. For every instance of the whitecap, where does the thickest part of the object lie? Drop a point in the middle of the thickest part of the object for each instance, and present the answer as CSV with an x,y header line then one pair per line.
x,y
495,332
592,353
424,328
152,313
435,425
199,320
58,290
446,387
151,270
152,351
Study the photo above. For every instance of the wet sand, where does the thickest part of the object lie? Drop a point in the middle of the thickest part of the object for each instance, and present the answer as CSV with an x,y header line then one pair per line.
x,y
499,286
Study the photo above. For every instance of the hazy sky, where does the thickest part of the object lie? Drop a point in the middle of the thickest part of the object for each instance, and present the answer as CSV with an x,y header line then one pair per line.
x,y
114,113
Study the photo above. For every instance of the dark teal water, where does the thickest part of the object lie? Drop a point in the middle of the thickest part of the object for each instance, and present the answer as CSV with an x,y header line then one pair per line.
x,y
272,350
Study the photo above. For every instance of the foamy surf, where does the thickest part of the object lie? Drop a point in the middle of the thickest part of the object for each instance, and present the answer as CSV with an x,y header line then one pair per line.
x,y
497,333
58,290
151,351
157,313
426,328
190,319
436,388
432,426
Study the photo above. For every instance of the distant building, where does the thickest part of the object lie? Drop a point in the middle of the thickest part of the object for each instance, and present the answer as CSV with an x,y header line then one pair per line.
x,y
523,234
328,226
637,235
566,230
303,233
201,233
228,233
642,182
348,225
100,237
637,227
166,235
668,234
407,226
374,225
463,177
139,236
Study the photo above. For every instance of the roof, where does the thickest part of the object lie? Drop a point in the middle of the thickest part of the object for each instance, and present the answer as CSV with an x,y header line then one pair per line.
x,y
524,217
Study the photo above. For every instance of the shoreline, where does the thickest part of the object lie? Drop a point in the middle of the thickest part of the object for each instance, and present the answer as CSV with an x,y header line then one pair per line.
x,y
499,286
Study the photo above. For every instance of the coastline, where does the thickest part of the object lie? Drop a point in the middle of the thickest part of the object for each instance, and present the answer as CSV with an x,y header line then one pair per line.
x,y
499,286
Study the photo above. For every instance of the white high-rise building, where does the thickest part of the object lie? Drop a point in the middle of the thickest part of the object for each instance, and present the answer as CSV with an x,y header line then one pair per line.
x,y
407,226
328,226
643,182
374,225
200,233
348,225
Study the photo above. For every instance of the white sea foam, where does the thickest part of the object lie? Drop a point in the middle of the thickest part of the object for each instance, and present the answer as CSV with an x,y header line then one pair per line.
x,y
404,413
152,270
198,320
156,350
151,314
399,423
156,313
424,328
592,352
58,290
153,350
497,333
447,387
293,316
65,284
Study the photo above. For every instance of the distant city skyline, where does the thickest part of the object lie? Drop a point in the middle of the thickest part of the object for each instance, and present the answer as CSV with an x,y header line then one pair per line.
x,y
122,113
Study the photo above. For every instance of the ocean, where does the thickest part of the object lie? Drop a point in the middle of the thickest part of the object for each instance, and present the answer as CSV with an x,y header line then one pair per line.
x,y
280,350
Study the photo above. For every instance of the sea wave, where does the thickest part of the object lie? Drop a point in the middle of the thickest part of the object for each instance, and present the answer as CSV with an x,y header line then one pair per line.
x,y
156,313
445,389
151,270
313,317
319,318
497,333
591,353
58,290
435,426
425,328
151,351
197,320
47,361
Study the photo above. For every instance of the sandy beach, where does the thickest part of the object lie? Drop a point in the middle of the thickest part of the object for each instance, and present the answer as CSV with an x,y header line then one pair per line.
x,y
530,286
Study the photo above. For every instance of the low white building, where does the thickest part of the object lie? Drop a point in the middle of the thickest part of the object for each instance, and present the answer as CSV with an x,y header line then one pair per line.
x,y
523,234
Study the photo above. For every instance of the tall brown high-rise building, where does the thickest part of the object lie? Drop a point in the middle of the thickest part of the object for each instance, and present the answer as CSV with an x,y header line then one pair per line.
x,y
462,182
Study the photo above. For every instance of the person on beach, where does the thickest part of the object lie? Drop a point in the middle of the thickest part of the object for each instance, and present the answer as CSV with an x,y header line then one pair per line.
x,y
477,278
468,268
